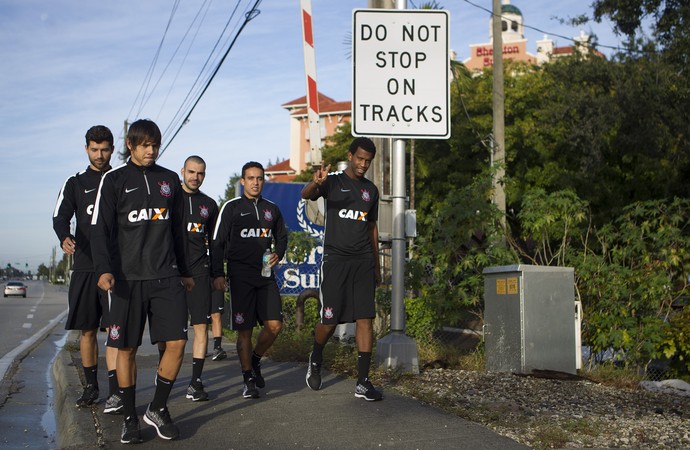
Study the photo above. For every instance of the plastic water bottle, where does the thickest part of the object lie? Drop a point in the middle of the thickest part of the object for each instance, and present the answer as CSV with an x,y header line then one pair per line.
x,y
266,267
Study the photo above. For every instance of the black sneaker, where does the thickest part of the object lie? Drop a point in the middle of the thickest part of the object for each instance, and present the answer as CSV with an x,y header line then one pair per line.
x,y
218,354
89,396
196,393
113,405
250,390
258,378
162,422
130,431
314,375
367,391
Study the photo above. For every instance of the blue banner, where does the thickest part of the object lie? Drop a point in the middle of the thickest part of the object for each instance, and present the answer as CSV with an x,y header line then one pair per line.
x,y
295,276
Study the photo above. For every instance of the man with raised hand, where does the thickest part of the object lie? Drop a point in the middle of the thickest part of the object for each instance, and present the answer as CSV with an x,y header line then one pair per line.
x,y
350,268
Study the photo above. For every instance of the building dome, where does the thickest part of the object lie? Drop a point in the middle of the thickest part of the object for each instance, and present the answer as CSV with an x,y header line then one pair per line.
x,y
510,9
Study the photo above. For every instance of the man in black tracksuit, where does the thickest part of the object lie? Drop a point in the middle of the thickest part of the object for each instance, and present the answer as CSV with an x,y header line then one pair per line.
x,y
246,227
201,212
139,251
350,268
86,306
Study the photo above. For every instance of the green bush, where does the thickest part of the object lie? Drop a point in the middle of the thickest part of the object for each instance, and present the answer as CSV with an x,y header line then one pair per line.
x,y
420,320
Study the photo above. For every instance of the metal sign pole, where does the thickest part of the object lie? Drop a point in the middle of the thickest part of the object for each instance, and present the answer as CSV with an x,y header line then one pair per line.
x,y
397,350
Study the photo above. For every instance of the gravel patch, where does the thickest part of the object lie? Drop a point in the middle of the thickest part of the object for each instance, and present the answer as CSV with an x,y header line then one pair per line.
x,y
556,413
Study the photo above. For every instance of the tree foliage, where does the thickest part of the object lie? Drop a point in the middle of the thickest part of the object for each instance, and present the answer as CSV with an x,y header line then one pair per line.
x,y
597,163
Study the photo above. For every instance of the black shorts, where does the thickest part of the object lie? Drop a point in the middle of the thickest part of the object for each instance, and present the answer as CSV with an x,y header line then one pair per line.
x,y
217,302
86,305
199,301
347,290
133,301
254,300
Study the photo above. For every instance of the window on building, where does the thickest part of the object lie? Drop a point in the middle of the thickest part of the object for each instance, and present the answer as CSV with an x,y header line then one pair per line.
x,y
514,25
504,25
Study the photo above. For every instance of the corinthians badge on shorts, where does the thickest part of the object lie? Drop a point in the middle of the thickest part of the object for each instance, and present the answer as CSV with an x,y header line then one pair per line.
x,y
114,332
328,313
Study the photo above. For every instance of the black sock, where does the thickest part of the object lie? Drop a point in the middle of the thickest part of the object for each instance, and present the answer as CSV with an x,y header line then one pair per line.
x,y
197,368
363,364
217,341
247,374
90,375
256,359
128,401
317,353
163,388
112,382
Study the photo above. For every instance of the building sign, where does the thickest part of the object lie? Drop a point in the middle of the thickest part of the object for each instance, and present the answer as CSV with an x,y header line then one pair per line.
x,y
486,53
400,72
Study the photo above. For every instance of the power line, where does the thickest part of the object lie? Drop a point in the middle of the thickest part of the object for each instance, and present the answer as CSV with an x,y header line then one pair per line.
x,y
248,17
195,85
172,57
611,47
149,73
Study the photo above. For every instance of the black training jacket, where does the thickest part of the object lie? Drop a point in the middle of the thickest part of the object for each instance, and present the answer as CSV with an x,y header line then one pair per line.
x,y
244,230
138,224
77,198
200,212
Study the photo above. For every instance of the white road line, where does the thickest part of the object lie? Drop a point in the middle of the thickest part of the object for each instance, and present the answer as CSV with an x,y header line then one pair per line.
x,y
26,325
29,316
6,361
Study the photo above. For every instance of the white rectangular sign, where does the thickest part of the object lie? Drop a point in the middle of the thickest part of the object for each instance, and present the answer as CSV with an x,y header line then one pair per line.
x,y
400,73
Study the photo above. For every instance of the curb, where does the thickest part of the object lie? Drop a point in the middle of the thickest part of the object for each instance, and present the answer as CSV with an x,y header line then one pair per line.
x,y
73,424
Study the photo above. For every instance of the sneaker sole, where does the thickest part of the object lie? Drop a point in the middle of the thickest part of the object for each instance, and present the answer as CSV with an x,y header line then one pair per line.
x,y
191,397
132,441
306,378
368,399
151,422
86,404
256,395
113,411
218,358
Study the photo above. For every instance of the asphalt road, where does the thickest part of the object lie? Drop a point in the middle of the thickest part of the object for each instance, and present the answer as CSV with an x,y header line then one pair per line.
x,y
21,318
33,336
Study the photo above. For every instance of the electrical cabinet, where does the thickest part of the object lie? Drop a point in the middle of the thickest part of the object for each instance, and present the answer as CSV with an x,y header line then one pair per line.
x,y
530,319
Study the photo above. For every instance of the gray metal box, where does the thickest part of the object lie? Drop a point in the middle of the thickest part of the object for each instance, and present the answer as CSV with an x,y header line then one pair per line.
x,y
529,318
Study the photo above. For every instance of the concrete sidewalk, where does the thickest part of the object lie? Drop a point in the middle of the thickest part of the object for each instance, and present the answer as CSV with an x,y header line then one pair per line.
x,y
288,414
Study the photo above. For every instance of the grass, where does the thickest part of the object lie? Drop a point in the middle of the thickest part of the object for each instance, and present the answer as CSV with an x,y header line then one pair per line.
x,y
618,377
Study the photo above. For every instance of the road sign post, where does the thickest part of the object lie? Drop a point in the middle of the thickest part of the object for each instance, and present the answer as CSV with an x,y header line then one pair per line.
x,y
401,70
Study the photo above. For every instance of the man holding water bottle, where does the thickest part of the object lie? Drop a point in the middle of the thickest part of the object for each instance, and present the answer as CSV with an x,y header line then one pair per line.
x,y
250,235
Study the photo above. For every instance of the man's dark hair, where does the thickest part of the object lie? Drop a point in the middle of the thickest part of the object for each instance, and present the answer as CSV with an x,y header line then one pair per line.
x,y
141,132
98,134
194,158
364,143
251,164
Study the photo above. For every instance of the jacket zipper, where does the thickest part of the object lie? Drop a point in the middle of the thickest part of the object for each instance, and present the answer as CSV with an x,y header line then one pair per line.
x,y
146,180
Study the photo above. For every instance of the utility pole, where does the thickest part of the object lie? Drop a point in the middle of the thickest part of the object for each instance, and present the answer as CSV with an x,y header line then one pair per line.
x,y
498,141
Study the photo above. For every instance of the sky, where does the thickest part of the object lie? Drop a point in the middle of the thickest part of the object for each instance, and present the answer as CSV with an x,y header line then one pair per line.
x,y
69,64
